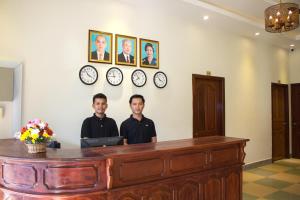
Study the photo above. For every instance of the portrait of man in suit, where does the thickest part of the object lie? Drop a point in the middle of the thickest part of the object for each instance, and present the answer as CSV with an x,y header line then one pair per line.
x,y
100,47
125,50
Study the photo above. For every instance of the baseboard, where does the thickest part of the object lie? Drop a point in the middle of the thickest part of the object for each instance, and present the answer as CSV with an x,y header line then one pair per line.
x,y
257,164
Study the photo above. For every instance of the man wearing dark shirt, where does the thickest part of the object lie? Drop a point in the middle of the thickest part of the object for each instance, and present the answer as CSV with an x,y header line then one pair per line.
x,y
137,128
99,125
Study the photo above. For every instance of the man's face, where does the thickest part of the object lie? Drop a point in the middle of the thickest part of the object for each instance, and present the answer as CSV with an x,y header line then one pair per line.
x,y
127,47
137,106
100,43
149,51
100,106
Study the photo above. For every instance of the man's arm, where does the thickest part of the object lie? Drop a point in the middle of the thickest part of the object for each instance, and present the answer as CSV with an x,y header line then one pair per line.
x,y
154,139
114,129
123,132
125,142
84,129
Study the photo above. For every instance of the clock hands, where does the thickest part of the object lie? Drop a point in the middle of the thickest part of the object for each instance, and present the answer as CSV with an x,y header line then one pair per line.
x,y
159,79
88,74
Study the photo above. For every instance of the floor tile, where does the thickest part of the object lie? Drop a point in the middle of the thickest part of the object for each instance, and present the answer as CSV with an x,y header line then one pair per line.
x,y
248,197
250,177
278,184
288,163
295,189
276,168
258,190
286,177
262,172
280,195
294,171
276,181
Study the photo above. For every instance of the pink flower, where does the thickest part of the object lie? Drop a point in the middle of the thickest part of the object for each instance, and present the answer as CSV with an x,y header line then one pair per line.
x,y
36,121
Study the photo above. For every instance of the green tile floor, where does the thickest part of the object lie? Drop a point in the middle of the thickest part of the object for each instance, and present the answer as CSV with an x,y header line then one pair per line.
x,y
277,181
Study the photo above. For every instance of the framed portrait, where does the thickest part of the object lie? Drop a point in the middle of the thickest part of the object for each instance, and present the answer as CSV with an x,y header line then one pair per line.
x,y
126,52
100,47
149,53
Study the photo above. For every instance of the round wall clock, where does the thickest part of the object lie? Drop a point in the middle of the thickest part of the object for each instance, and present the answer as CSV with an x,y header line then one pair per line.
x,y
138,78
114,76
88,75
160,79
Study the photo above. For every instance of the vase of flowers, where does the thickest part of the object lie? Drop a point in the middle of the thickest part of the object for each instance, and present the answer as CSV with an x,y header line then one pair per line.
x,y
36,134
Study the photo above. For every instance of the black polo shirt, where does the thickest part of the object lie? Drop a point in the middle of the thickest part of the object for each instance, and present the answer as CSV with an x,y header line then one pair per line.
x,y
138,131
95,127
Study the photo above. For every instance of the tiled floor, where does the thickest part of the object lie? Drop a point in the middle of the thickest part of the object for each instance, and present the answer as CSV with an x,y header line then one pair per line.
x,y
277,181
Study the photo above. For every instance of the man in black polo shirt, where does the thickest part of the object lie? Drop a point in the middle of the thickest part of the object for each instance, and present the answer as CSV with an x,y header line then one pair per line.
x,y
137,128
99,125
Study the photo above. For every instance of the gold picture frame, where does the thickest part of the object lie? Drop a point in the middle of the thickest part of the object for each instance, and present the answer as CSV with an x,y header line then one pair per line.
x,y
125,50
96,53
148,49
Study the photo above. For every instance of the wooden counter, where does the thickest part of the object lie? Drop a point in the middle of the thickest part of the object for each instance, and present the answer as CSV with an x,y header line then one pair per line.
x,y
193,169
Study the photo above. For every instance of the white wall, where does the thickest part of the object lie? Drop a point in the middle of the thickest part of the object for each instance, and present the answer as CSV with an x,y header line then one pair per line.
x,y
294,66
51,37
294,72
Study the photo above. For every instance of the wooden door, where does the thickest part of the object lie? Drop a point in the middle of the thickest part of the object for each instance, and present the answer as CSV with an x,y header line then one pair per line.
x,y
208,106
280,121
295,94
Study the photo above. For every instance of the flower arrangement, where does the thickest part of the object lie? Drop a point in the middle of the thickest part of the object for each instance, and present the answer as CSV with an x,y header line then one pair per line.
x,y
36,132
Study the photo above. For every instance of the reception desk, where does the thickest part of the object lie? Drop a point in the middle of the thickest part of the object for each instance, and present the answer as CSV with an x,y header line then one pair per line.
x,y
208,168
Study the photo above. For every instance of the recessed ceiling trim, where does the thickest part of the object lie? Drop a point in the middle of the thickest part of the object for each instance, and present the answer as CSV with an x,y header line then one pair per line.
x,y
227,12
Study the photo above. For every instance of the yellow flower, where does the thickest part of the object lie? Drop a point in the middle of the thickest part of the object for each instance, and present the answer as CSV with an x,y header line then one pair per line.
x,y
25,135
46,135
22,138
33,141
35,136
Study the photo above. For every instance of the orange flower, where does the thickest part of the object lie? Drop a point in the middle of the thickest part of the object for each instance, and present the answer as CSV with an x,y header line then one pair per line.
x,y
49,131
23,130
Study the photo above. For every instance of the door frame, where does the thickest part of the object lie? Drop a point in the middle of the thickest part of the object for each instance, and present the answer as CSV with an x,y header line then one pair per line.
x,y
287,116
215,78
18,93
293,134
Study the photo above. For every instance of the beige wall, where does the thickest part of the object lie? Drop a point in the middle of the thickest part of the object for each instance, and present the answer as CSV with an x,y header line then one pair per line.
x,y
294,66
51,38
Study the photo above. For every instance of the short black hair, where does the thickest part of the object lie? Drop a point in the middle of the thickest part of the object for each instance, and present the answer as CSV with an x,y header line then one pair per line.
x,y
136,96
149,45
99,96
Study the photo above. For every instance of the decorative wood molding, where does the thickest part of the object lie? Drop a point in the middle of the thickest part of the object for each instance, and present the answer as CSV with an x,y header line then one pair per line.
x,y
203,168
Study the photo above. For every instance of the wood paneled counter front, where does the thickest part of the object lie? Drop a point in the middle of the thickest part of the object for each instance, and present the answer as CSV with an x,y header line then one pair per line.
x,y
208,168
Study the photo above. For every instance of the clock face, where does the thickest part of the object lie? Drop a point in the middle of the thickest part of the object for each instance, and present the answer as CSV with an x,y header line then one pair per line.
x,y
139,78
114,76
88,75
160,79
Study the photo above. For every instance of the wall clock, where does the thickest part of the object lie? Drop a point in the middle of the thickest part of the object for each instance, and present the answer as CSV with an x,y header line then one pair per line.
x,y
114,76
88,75
138,78
160,79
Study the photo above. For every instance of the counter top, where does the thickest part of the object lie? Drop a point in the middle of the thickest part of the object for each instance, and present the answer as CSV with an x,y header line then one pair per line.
x,y
14,149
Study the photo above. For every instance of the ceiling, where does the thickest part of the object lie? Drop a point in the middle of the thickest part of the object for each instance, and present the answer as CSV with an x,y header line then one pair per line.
x,y
247,17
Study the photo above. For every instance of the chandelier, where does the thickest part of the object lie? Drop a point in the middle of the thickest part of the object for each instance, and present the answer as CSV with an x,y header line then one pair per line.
x,y
282,17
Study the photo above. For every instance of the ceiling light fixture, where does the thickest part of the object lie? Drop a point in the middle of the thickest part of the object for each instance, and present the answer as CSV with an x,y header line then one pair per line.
x,y
292,45
282,17
205,17
257,34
